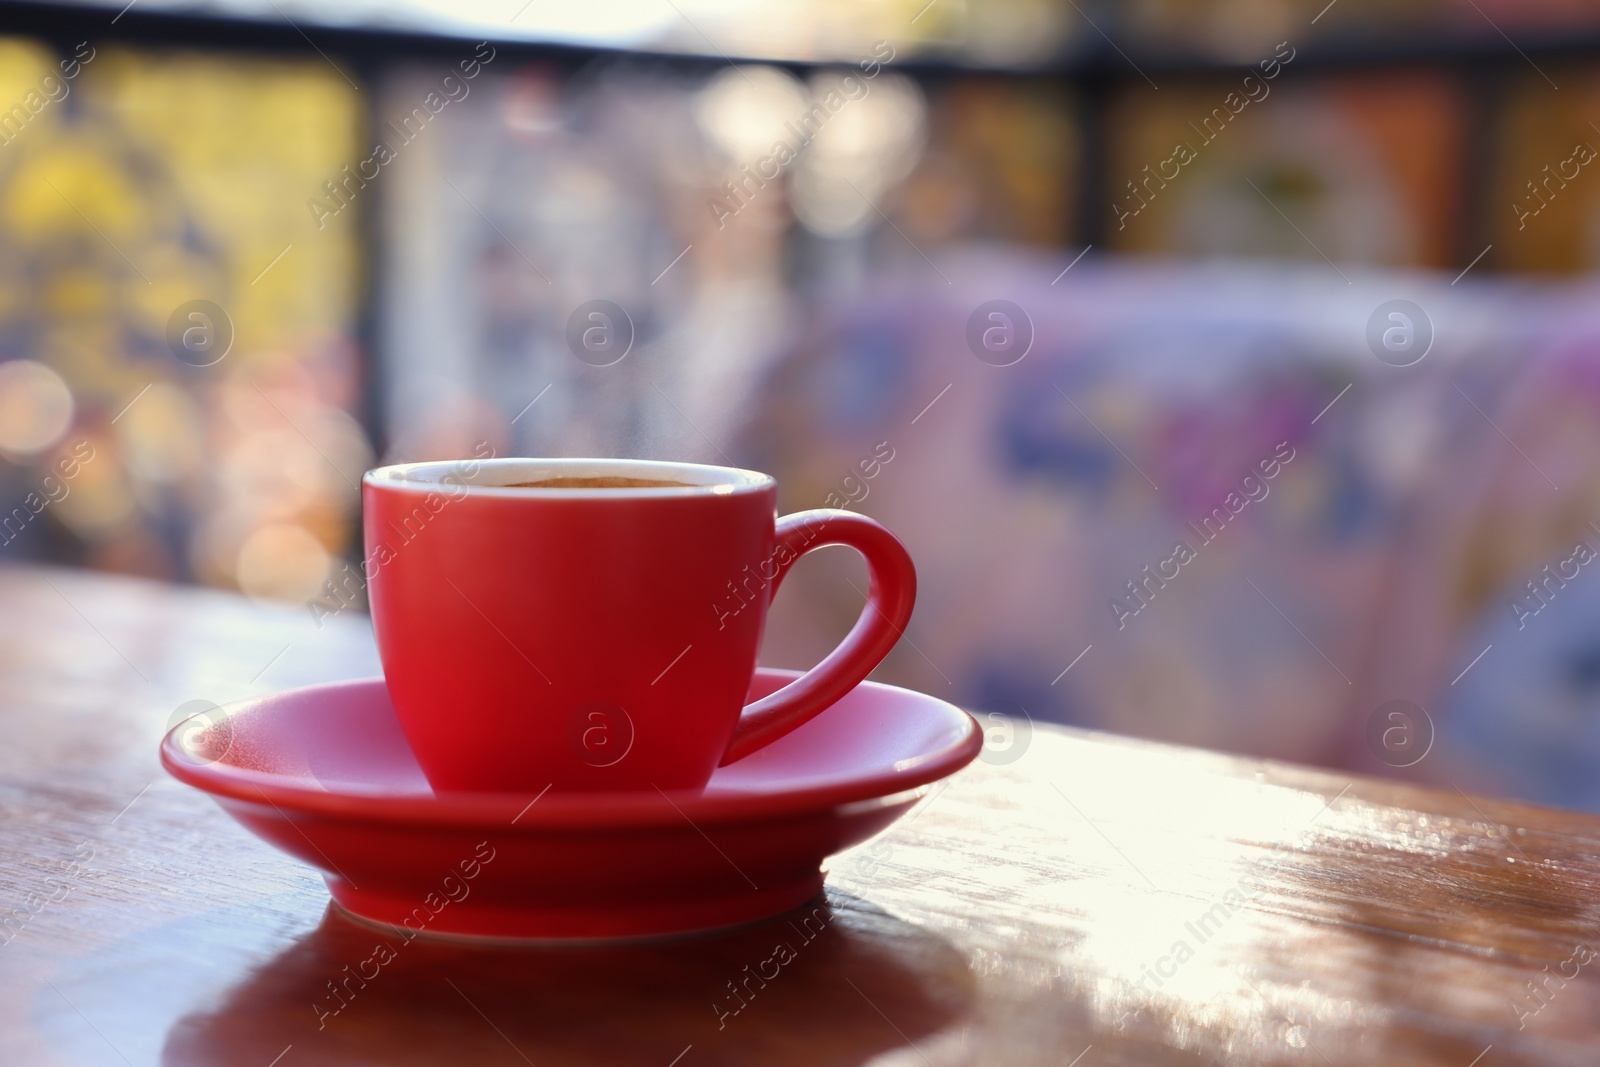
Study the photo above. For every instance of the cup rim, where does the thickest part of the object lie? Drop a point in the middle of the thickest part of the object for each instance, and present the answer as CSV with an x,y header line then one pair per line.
x,y
429,476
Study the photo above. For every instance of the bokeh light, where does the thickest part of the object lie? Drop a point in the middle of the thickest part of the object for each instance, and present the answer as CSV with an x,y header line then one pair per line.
x,y
35,407
872,140
744,111
282,560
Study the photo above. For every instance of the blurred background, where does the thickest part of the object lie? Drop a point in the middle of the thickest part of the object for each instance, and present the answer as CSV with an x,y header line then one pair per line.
x,y
1231,369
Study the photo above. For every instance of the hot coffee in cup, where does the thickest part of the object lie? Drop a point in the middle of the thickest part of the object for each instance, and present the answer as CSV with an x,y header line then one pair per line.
x,y
593,624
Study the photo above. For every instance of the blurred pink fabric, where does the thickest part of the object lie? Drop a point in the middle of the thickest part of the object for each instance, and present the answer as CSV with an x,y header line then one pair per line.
x,y
1406,508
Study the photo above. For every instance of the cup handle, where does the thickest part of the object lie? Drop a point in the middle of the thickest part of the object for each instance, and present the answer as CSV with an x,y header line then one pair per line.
x,y
882,621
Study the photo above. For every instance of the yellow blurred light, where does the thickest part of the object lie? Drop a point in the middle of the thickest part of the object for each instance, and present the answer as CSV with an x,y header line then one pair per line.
x,y
272,472
282,560
99,499
61,191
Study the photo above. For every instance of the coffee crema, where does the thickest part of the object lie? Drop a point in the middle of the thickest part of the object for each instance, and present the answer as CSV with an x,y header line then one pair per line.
x,y
607,481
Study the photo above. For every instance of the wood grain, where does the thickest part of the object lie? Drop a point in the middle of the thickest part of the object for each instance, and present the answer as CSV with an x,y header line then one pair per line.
x,y
1095,897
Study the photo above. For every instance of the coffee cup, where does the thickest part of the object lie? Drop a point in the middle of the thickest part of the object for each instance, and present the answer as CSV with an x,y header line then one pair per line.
x,y
593,624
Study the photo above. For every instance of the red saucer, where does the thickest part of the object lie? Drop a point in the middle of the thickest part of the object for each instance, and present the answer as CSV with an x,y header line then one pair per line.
x,y
325,774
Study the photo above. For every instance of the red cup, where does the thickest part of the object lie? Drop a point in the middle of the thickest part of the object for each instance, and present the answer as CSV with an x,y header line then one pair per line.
x,y
590,639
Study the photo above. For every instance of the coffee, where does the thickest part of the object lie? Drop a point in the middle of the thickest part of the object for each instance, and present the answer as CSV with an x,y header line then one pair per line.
x,y
599,482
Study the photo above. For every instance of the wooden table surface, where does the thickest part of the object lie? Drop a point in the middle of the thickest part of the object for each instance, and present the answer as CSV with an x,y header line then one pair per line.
x,y
1075,899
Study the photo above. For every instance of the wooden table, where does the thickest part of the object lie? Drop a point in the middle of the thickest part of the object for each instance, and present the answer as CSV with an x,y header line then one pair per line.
x,y
1077,899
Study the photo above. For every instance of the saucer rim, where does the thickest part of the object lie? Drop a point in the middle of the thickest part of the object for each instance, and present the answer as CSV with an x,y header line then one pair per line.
x,y
523,811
